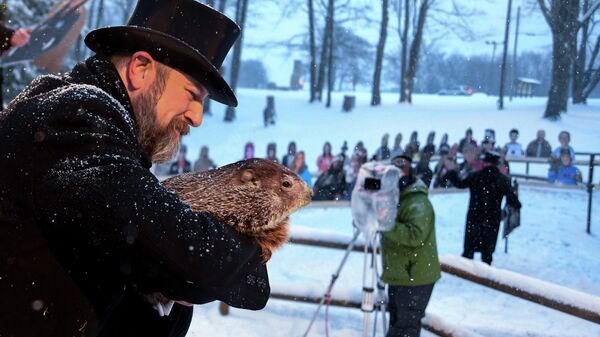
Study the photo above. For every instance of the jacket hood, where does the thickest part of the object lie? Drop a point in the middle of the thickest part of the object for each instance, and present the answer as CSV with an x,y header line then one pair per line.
x,y
417,187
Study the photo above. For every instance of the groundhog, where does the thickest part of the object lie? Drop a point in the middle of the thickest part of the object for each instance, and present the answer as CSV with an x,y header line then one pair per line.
x,y
255,196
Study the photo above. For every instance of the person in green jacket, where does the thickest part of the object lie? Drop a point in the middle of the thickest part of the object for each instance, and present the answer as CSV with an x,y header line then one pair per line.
x,y
410,258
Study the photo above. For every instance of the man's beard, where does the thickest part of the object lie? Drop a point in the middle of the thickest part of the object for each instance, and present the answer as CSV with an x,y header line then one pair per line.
x,y
160,143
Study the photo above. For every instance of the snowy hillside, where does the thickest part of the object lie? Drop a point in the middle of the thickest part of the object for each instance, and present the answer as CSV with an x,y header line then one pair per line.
x,y
551,244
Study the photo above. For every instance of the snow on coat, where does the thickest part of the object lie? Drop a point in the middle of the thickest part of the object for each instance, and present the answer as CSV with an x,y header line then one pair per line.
x,y
82,218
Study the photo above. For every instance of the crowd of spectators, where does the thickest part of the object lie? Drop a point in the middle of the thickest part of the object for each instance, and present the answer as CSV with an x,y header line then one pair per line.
x,y
336,173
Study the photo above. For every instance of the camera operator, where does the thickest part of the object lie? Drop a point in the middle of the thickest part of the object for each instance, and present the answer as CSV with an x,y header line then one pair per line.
x,y
410,258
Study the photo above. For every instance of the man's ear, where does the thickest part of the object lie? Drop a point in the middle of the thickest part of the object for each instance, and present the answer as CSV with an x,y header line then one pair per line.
x,y
141,71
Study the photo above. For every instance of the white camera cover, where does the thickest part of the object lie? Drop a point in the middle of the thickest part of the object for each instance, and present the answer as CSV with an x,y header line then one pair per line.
x,y
376,210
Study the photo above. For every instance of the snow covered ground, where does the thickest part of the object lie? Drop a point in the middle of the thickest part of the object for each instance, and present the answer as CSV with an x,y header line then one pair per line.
x,y
551,244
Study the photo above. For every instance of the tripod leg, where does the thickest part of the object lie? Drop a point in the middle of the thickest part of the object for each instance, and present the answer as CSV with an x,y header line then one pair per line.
x,y
333,279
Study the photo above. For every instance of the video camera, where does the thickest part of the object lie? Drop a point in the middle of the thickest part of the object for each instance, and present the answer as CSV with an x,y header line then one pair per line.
x,y
375,197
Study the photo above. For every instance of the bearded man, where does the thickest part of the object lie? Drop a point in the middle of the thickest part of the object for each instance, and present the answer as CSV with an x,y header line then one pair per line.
x,y
85,228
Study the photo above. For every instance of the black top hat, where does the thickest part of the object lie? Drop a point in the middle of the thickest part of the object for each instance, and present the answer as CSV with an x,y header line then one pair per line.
x,y
182,34
403,156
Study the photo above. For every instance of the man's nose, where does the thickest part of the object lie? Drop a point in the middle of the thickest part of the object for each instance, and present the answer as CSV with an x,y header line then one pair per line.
x,y
194,114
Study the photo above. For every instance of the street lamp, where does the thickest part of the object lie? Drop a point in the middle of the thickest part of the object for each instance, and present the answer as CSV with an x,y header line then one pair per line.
x,y
491,73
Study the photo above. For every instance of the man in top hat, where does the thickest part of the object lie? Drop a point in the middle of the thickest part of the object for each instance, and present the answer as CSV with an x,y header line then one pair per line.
x,y
487,187
85,228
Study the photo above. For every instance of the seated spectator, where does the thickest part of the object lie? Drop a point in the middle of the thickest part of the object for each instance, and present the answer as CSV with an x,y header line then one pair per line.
x,y
272,152
249,150
361,152
289,156
412,148
489,134
429,146
444,146
331,184
324,160
397,149
422,169
514,149
343,153
204,163
439,173
299,166
467,141
565,173
539,147
564,138
382,152
181,165
351,171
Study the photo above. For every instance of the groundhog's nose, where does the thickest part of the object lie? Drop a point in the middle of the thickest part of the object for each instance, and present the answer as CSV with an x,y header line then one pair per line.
x,y
309,191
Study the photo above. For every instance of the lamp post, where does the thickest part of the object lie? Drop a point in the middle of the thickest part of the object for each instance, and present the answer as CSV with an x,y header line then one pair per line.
x,y
491,74
503,70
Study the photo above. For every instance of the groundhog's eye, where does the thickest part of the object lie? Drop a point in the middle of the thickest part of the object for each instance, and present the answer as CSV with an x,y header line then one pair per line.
x,y
287,184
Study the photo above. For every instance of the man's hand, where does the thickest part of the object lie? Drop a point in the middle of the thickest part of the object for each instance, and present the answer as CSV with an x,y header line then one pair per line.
x,y
20,37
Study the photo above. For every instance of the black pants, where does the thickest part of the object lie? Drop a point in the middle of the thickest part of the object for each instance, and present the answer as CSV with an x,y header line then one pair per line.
x,y
407,308
136,318
486,257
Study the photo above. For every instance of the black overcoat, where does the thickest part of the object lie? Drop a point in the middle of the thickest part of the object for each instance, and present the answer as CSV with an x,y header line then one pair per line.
x,y
82,219
487,188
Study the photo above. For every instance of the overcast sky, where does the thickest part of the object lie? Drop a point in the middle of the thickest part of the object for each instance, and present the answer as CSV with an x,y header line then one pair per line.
x,y
270,23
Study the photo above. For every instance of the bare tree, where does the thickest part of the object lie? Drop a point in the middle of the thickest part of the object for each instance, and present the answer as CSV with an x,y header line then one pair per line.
x,y
327,34
582,77
404,49
415,48
562,17
330,69
376,93
240,15
313,51
592,75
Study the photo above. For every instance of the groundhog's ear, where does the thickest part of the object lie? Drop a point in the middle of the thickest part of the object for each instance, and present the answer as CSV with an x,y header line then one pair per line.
x,y
248,176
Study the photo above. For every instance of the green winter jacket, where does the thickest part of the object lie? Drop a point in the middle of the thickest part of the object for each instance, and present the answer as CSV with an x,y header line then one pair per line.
x,y
410,255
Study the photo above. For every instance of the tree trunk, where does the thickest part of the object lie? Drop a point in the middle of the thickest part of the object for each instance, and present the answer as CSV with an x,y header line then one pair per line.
x,y
127,10
376,93
579,76
404,40
330,69
100,13
242,7
564,26
415,49
222,5
592,76
324,50
313,51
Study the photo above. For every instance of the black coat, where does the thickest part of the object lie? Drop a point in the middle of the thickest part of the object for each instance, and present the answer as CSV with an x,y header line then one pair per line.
x,y
82,219
487,187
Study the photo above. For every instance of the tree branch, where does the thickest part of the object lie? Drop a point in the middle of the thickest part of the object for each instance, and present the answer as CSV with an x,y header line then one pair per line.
x,y
589,13
545,12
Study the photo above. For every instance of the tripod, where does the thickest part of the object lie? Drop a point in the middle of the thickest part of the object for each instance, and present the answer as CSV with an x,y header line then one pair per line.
x,y
373,296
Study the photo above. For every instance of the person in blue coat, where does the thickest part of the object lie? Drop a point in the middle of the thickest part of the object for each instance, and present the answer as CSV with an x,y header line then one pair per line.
x,y
300,168
565,173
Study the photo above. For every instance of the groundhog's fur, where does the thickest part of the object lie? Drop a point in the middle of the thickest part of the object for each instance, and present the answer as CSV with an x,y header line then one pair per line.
x,y
254,196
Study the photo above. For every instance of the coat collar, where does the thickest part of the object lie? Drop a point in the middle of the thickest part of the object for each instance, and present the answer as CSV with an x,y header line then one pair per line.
x,y
99,71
